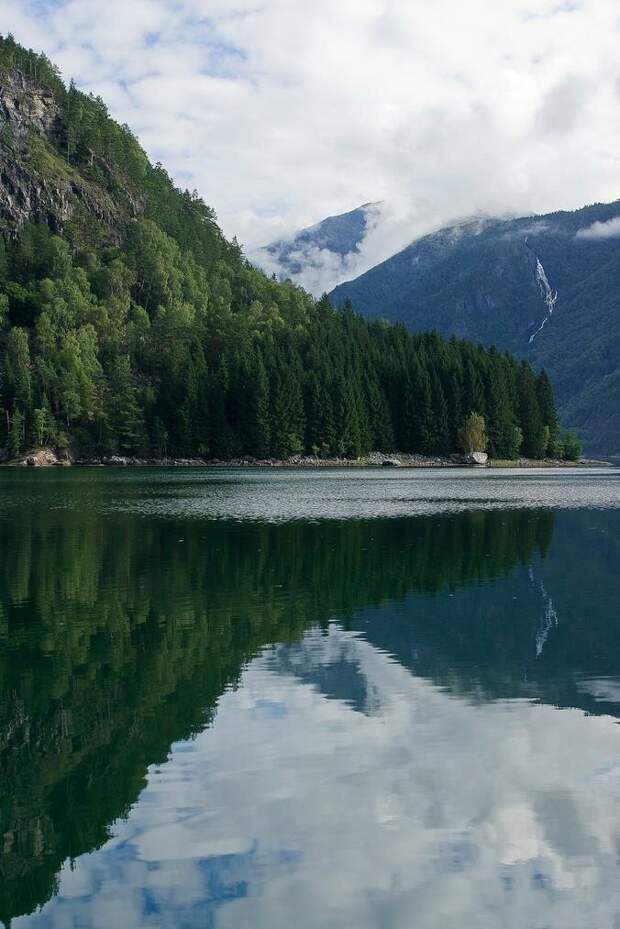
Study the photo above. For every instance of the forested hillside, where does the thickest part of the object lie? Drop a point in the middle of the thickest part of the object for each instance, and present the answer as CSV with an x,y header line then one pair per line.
x,y
129,324
544,287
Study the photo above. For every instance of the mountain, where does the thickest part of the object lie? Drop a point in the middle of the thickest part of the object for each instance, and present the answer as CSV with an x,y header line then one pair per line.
x,y
129,324
544,287
321,254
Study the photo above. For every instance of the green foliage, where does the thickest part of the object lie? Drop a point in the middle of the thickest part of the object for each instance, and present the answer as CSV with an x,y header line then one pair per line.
x,y
546,402
32,64
144,351
515,443
17,381
570,447
135,327
473,434
535,438
16,433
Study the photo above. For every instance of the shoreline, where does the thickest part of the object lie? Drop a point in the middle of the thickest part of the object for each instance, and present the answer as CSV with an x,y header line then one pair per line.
x,y
45,458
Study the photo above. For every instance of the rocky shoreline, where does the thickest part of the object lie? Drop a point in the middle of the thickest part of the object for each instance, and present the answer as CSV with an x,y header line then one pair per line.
x,y
46,457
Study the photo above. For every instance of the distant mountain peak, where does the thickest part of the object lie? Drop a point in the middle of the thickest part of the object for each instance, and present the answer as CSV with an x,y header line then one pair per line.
x,y
319,256
343,246
546,287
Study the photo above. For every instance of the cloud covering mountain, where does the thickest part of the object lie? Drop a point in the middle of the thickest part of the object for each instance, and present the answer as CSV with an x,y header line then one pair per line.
x,y
545,287
325,254
341,248
280,114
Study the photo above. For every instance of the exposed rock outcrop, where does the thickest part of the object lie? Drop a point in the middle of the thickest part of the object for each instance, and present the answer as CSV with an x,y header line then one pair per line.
x,y
42,458
28,107
35,181
475,458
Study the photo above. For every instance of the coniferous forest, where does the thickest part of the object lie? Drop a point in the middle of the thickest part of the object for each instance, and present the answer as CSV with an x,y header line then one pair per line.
x,y
129,324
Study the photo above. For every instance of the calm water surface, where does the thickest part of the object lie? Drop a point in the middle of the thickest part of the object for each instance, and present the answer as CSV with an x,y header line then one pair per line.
x,y
328,700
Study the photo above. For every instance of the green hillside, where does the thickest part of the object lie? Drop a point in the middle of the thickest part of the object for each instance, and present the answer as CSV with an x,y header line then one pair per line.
x,y
129,324
546,288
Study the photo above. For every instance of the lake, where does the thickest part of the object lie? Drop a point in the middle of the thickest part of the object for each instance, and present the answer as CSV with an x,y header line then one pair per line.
x,y
347,699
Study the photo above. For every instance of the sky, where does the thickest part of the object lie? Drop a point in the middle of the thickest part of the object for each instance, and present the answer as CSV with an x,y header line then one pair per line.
x,y
282,112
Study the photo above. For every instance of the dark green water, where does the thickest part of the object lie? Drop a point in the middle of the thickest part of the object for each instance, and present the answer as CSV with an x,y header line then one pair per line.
x,y
323,700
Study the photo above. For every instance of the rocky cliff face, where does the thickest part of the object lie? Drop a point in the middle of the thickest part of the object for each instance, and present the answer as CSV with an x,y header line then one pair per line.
x,y
25,106
24,111
35,180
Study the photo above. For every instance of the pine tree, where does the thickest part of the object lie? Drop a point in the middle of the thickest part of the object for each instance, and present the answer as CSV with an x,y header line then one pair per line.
x,y
424,437
441,429
530,415
546,403
503,439
473,389
381,436
16,433
125,413
17,379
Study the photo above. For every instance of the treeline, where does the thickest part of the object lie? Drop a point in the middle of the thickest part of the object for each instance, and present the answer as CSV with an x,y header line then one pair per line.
x,y
143,350
154,336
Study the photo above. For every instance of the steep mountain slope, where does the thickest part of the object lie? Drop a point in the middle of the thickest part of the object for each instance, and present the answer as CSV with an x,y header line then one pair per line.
x,y
128,324
544,287
321,253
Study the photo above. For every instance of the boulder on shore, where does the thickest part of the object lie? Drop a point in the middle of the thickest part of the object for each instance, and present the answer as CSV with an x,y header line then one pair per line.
x,y
43,458
475,458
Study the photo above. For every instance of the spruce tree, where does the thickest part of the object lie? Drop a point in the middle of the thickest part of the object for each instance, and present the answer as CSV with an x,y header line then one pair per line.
x,y
531,420
546,403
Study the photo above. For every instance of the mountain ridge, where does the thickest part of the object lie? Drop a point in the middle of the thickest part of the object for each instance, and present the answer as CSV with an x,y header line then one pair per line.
x,y
321,251
546,287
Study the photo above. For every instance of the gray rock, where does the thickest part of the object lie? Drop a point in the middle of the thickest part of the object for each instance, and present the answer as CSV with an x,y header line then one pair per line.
x,y
29,110
475,458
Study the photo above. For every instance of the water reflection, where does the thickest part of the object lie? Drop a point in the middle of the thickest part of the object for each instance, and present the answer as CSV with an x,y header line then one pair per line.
x,y
363,720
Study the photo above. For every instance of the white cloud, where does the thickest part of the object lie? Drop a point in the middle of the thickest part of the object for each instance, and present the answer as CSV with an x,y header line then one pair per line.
x,y
283,112
606,230
462,813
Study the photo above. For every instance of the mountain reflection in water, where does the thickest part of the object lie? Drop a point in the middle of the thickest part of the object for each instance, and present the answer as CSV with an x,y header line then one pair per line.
x,y
351,723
